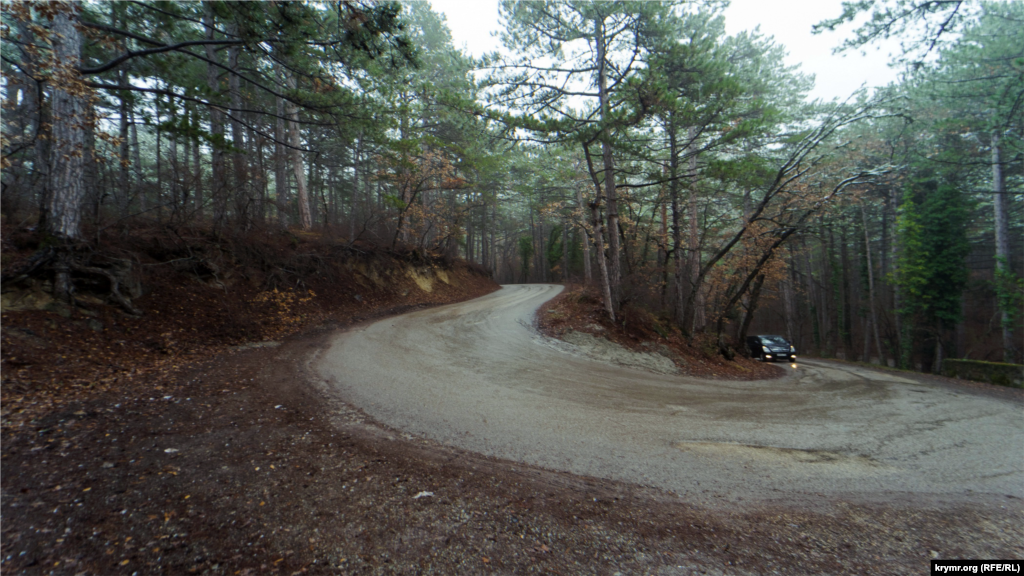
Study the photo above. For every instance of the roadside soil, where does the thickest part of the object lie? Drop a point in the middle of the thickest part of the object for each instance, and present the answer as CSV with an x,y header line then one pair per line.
x,y
228,459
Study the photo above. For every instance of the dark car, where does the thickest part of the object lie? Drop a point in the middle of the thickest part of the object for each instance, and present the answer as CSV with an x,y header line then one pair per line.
x,y
771,349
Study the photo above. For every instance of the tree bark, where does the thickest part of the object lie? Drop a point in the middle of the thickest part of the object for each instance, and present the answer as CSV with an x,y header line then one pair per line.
x,y
896,303
122,195
136,151
602,263
67,152
748,316
846,332
295,140
35,115
938,354
587,272
280,167
680,275
871,288
218,186
176,199
615,272
696,298
789,309
197,165
352,212
565,249
494,239
1002,228
241,186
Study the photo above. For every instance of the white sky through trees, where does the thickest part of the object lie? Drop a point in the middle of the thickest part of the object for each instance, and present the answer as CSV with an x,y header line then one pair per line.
x,y
472,23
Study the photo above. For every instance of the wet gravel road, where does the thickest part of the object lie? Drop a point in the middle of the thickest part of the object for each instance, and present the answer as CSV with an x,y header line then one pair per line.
x,y
477,375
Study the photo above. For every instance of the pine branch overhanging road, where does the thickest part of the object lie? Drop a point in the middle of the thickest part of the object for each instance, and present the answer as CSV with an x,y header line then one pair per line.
x,y
478,376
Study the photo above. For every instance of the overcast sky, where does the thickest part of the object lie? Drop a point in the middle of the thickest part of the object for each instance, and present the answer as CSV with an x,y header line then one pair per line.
x,y
789,21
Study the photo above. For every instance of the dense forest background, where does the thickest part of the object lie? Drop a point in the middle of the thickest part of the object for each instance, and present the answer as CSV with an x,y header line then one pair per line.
x,y
633,147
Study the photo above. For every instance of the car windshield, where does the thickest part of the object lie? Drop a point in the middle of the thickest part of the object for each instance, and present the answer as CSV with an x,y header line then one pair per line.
x,y
776,340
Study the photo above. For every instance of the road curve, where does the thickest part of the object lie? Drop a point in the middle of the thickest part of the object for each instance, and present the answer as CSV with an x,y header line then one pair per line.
x,y
477,375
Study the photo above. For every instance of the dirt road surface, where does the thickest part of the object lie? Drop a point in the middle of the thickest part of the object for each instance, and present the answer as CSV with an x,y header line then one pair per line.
x,y
249,462
477,376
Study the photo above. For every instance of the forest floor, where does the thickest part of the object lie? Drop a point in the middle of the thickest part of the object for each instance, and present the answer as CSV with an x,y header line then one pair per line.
x,y
191,441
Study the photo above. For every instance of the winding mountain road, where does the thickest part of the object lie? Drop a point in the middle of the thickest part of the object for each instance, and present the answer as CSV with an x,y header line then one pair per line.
x,y
477,375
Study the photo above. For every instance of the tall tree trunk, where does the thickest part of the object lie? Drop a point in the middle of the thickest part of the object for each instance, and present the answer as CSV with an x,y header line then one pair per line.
x,y
218,185
696,309
748,316
280,167
469,238
241,184
543,252
123,195
896,303
354,195
90,175
159,167
494,240
485,247
565,249
187,179
258,180
680,276
533,241
602,261
587,273
35,116
197,165
176,203
788,306
999,209
67,153
295,140
871,288
664,251
845,308
615,272
812,297
138,187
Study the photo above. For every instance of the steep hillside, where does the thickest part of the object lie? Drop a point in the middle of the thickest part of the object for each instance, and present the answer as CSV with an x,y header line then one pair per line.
x,y
195,294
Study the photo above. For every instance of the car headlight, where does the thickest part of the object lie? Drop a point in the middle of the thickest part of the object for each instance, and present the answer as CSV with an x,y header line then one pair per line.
x,y
765,348
792,349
